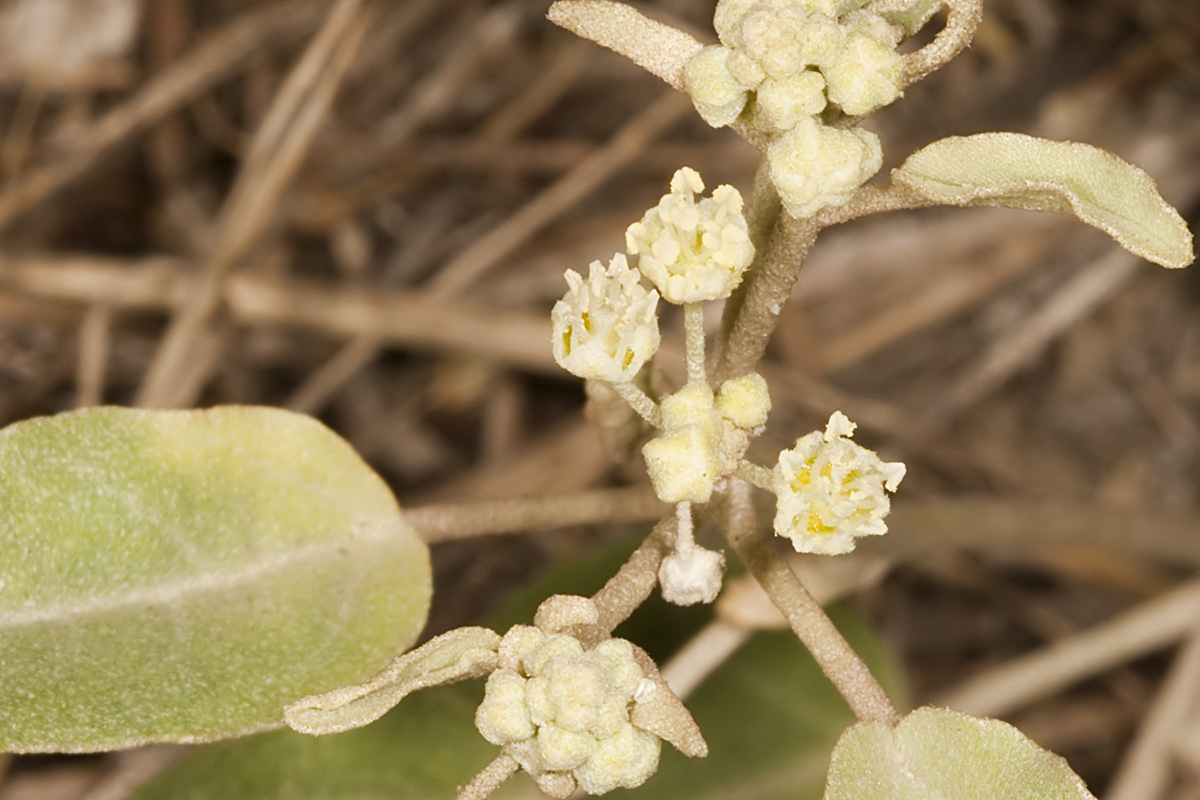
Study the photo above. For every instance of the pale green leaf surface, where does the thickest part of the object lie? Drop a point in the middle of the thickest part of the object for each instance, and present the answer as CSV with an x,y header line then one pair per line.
x,y
181,575
939,754
1019,171
454,656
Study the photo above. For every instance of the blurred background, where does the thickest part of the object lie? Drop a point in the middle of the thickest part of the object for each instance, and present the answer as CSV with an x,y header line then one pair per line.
x,y
363,211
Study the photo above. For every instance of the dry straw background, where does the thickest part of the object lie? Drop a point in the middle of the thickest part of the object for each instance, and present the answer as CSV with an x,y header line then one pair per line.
x,y
362,210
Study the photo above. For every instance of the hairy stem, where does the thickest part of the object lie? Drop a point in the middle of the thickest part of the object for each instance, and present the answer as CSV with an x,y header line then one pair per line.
x,y
961,24
442,523
873,200
634,582
762,213
768,288
693,336
832,652
488,780
756,475
640,402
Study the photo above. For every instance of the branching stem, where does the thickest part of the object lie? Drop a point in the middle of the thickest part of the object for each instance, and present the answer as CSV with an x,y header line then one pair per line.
x,y
808,621
634,582
640,402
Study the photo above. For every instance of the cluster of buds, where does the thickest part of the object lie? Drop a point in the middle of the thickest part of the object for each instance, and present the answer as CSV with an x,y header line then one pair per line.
x,y
574,717
786,68
704,436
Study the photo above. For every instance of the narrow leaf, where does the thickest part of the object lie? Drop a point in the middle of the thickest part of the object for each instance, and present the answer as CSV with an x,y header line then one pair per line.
x,y
1018,171
454,656
659,49
939,753
181,575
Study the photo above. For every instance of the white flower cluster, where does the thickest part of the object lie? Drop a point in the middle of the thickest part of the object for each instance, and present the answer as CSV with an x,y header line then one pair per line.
x,y
704,436
563,712
830,491
693,251
783,63
606,328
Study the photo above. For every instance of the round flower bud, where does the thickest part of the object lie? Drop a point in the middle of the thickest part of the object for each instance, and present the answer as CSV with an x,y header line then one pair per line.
x,y
783,102
814,166
829,490
683,464
606,328
865,75
691,576
745,401
693,251
716,94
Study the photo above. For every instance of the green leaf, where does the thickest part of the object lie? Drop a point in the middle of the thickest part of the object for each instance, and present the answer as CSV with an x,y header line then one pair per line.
x,y
423,750
181,575
1018,171
937,753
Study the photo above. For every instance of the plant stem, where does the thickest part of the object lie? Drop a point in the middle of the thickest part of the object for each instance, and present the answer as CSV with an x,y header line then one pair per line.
x,y
756,475
488,779
768,288
443,523
634,582
762,212
961,25
832,652
874,199
640,402
693,337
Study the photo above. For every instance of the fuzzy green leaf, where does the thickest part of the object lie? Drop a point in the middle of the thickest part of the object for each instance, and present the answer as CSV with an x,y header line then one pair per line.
x,y
1018,171
181,575
939,754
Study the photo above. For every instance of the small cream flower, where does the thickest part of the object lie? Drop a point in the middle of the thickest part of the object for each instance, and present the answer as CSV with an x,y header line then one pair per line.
x,y
814,166
830,491
693,251
607,327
